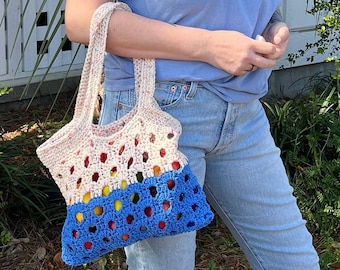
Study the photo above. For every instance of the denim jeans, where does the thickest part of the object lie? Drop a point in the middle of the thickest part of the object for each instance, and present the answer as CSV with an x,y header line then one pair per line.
x,y
231,151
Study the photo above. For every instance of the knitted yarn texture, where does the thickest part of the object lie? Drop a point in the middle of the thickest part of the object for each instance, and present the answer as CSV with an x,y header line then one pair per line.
x,y
126,181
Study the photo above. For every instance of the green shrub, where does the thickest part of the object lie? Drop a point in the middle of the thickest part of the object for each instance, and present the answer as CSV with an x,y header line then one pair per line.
x,y
5,236
26,190
5,91
327,31
308,132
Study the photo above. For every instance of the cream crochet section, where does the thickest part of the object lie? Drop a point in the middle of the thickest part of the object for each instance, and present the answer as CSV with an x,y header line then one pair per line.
x,y
87,160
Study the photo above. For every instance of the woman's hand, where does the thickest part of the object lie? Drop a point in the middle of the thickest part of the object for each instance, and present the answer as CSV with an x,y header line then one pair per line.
x,y
238,54
278,34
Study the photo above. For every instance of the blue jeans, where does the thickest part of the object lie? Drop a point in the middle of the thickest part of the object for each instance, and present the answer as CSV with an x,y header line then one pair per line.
x,y
231,151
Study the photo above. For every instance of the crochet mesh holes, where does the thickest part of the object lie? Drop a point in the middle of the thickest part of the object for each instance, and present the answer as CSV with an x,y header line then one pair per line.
x,y
118,205
95,177
162,152
142,228
135,198
170,184
130,219
87,197
106,191
87,245
75,234
125,237
103,157
98,211
79,217
191,224
156,170
153,191
161,225
166,205
86,162
136,140
148,211
121,150
92,229
170,135
79,181
140,177
145,157
91,143
111,225
152,138
130,162
176,165
113,172
181,197
123,184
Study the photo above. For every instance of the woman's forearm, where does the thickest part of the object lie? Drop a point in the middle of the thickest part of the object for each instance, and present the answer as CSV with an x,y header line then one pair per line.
x,y
135,36
143,37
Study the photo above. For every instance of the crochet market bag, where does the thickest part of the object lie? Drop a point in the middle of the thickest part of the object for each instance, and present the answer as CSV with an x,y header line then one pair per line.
x,y
125,181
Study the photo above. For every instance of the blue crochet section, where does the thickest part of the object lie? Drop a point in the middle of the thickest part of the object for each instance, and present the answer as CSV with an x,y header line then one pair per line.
x,y
169,204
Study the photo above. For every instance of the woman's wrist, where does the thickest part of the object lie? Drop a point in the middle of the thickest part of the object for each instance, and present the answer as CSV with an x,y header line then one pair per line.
x,y
274,21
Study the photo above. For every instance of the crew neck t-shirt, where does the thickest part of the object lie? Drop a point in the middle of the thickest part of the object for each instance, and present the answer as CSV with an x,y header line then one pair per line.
x,y
249,17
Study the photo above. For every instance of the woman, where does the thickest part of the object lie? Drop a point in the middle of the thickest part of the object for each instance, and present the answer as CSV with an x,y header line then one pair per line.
x,y
213,62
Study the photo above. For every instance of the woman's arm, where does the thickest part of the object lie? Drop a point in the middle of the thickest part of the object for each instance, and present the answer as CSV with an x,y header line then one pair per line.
x,y
131,35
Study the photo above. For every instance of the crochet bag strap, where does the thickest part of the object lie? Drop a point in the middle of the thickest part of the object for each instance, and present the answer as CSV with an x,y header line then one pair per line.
x,y
145,76
93,66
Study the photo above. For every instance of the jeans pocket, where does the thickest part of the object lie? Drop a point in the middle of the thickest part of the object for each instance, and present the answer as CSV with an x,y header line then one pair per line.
x,y
112,107
169,94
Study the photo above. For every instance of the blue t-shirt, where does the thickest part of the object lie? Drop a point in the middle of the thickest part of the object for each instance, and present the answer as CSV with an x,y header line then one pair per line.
x,y
249,17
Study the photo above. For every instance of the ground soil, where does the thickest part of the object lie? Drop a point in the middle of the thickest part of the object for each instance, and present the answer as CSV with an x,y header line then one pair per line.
x,y
37,245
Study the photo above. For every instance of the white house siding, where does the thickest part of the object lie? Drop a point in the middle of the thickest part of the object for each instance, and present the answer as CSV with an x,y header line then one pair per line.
x,y
16,68
302,31
295,78
3,60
